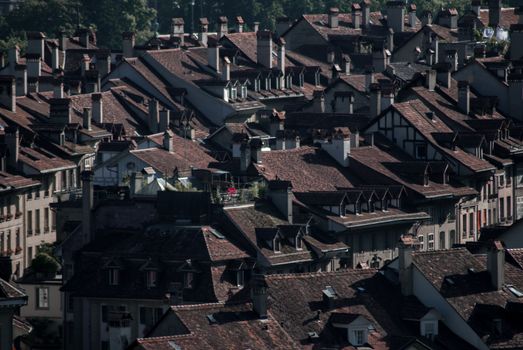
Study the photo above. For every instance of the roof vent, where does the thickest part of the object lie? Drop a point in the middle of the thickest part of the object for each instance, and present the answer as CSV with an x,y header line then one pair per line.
x,y
449,281
216,233
360,290
515,291
173,345
313,336
471,270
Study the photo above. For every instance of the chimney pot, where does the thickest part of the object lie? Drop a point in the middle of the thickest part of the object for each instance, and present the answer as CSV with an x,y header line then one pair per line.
x,y
464,96
333,17
264,48
97,105
496,264
87,118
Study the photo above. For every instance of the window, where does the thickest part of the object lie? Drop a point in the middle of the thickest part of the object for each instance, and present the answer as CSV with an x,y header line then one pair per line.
x,y
299,243
64,180
431,241
2,242
150,277
442,244
188,280
452,237
509,206
429,329
502,209
471,224
421,151
9,248
37,221
149,316
501,180
277,245
42,298
421,243
17,239
37,193
358,337
46,220
29,195
114,276
234,93
519,175
29,222
244,91
240,278
464,225
29,254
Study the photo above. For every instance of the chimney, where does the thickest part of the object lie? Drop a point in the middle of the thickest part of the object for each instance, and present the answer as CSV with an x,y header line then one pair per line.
x,y
97,105
318,101
331,55
245,156
426,18
338,147
8,92
369,78
165,120
154,115
280,194
346,62
443,74
256,27
35,44
516,37
259,295
21,79
55,58
128,41
452,58
177,27
430,79
87,118
475,6
282,24
12,141
58,88
226,73
494,13
239,24
136,183
464,96
390,39
168,141
412,15
396,15
387,98
213,55
333,17
375,100
62,41
87,205
13,55
264,48
204,29
83,35
519,12
103,62
405,248
222,26
256,150
496,264
365,10
281,58
60,111
335,73
356,15
380,60
34,65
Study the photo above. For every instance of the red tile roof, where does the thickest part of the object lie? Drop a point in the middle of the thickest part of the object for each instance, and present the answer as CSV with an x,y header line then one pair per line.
x,y
507,18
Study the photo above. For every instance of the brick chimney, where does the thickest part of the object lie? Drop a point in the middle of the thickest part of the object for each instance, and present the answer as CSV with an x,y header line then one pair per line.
x,y
8,92
21,79
380,59
223,28
334,17
375,100
177,26
35,44
128,41
168,141
369,78
154,115
452,58
426,18
494,14
281,58
213,55
405,248
346,62
280,194
464,96
239,24
103,62
83,36
86,118
136,183
259,295
365,10
264,48
356,15
87,205
97,105
55,57
165,120
12,141
443,74
390,39
496,264
396,15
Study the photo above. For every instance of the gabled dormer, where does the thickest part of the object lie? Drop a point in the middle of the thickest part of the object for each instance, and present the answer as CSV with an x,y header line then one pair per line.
x,y
429,324
113,269
189,270
293,235
149,270
270,237
357,327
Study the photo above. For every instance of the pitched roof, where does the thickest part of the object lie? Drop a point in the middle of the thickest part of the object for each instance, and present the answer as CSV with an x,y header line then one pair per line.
x,y
507,18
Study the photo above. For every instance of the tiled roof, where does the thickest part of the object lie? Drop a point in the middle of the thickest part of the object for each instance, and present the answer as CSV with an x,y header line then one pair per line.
x,y
16,181
8,291
181,63
236,327
507,18
308,169
219,248
43,161
357,81
469,293
376,300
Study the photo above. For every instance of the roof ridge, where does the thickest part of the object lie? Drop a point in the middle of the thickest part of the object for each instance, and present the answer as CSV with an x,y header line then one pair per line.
x,y
321,273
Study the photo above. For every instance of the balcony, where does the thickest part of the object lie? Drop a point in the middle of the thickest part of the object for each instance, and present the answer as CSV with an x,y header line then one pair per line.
x,y
69,194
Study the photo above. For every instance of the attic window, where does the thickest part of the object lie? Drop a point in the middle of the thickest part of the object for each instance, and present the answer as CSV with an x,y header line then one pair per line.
x,y
277,245
299,244
358,337
151,278
358,208
240,278
384,205
429,329
114,276
188,280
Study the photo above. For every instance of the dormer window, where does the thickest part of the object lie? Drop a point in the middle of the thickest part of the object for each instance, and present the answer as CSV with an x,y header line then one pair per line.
x,y
244,92
114,276
371,206
240,278
234,93
358,337
257,85
301,80
188,280
299,243
358,208
384,205
317,78
151,278
425,179
277,245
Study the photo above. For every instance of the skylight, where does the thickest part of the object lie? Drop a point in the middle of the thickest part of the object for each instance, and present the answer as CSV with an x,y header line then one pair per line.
x,y
515,291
